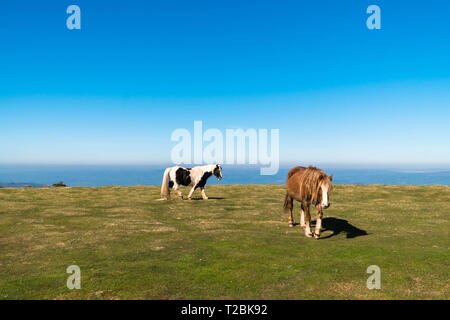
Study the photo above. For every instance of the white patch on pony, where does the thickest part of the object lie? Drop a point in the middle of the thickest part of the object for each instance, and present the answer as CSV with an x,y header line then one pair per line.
x,y
324,196
302,219
318,225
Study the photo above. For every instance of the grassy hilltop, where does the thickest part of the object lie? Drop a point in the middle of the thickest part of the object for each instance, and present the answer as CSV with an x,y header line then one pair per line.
x,y
235,245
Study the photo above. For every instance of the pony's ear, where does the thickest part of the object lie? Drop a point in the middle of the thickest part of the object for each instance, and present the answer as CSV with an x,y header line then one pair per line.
x,y
331,178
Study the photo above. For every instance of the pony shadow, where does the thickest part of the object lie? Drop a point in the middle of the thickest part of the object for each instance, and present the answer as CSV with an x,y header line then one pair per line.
x,y
209,198
340,225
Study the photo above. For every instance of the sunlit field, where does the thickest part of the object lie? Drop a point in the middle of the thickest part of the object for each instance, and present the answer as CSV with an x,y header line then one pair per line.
x,y
236,245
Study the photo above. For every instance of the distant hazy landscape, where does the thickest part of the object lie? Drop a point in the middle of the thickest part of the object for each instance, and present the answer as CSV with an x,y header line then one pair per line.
x,y
94,176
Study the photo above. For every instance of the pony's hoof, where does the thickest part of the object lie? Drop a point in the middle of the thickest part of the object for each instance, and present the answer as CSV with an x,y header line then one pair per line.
x,y
189,198
205,198
317,236
308,235
290,225
303,227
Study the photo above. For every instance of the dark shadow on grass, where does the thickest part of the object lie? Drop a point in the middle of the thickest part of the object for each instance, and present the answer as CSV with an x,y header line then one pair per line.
x,y
340,225
209,198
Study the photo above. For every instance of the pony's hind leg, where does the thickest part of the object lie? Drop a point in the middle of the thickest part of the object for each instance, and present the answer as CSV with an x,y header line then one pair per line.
x,y
168,190
289,204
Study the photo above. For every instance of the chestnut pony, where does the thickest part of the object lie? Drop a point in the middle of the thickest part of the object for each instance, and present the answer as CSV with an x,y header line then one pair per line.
x,y
308,186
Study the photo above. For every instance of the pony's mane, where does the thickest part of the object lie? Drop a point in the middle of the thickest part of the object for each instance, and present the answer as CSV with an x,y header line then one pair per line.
x,y
311,182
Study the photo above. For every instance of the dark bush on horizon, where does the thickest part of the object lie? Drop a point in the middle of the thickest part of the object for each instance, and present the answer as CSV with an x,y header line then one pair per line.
x,y
59,184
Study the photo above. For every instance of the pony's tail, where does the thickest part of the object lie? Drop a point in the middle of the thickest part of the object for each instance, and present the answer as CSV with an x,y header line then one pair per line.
x,y
287,202
165,184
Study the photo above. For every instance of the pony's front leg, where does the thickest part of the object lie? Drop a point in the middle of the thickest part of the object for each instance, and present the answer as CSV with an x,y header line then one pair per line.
x,y
176,186
191,192
318,222
302,217
204,194
308,232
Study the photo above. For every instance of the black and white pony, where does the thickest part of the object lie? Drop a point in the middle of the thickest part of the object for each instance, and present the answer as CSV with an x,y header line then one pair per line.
x,y
196,177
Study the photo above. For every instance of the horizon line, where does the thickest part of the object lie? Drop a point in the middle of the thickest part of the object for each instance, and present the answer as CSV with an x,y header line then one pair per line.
x,y
340,165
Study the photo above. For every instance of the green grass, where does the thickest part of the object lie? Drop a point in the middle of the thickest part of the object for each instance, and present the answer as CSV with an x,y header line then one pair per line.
x,y
235,245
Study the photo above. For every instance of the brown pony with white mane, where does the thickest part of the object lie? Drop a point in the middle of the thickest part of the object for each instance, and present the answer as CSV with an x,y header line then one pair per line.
x,y
308,186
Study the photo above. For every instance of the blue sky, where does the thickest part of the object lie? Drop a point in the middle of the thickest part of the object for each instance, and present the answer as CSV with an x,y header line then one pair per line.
x,y
112,92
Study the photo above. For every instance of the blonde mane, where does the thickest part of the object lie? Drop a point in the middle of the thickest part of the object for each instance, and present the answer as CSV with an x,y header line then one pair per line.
x,y
311,182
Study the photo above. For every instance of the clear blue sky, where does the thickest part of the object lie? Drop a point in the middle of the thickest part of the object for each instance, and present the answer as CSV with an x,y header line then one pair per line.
x,y
114,91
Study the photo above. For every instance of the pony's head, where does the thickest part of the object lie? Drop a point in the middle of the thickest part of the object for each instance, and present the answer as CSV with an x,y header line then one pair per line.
x,y
325,188
217,171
